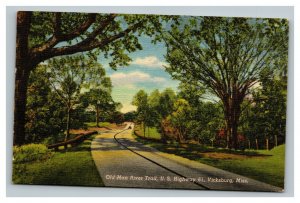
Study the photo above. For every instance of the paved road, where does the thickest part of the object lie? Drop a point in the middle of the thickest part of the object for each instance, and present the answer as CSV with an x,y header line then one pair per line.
x,y
124,162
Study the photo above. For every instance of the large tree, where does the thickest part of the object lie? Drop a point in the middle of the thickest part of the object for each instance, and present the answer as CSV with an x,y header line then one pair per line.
x,y
227,56
44,35
68,76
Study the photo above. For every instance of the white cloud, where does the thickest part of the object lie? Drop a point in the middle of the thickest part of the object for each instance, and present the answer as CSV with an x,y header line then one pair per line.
x,y
129,79
128,107
149,61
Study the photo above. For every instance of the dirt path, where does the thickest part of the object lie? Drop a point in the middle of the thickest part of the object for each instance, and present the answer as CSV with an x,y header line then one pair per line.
x,y
123,162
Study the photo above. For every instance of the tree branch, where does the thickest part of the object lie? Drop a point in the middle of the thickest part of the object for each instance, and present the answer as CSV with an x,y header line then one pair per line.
x,y
59,37
92,44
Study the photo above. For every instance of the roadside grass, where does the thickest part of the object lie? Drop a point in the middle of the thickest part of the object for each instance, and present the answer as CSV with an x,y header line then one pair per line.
x,y
73,166
107,125
150,132
268,169
262,165
101,124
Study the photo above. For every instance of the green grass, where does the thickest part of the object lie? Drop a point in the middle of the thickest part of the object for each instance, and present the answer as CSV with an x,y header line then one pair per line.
x,y
262,165
150,132
101,124
269,169
74,166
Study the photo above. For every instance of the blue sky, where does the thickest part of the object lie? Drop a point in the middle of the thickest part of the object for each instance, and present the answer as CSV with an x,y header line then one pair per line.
x,y
145,72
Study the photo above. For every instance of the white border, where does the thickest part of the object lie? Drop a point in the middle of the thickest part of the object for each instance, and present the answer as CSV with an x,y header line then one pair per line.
x,y
116,192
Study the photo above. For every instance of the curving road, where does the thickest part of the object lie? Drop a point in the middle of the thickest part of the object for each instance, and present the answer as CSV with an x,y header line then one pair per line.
x,y
123,162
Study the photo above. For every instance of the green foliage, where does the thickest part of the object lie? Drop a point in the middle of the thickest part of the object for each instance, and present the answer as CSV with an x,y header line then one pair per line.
x,y
44,115
31,152
166,102
46,35
117,117
180,117
55,93
99,100
227,56
154,108
68,76
141,101
265,116
102,28
73,167
130,116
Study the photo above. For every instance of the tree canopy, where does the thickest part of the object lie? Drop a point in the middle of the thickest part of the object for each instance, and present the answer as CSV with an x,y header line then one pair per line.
x,y
44,35
227,56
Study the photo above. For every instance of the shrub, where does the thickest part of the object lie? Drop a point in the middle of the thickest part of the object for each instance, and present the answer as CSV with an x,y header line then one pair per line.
x,y
31,152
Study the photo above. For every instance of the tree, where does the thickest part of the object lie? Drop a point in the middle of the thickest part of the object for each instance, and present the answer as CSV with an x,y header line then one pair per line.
x,y
101,101
180,118
118,117
130,116
270,110
141,101
99,97
227,56
43,119
44,35
166,101
161,105
205,115
67,76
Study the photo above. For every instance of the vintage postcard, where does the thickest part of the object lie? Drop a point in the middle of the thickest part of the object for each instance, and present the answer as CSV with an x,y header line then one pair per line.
x,y
150,101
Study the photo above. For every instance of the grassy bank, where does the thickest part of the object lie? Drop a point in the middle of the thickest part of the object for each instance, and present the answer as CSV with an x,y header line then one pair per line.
x,y
262,165
150,132
74,166
268,169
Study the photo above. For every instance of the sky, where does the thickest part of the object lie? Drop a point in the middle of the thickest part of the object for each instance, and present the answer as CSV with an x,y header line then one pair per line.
x,y
145,72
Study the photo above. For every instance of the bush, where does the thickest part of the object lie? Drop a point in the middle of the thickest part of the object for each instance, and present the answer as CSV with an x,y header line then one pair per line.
x,y
31,152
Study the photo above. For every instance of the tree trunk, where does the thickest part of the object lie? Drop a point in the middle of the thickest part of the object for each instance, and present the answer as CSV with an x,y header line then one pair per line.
x,y
276,140
249,144
21,83
228,125
236,110
267,143
23,68
97,116
180,133
256,143
232,109
144,129
68,126
234,134
163,136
